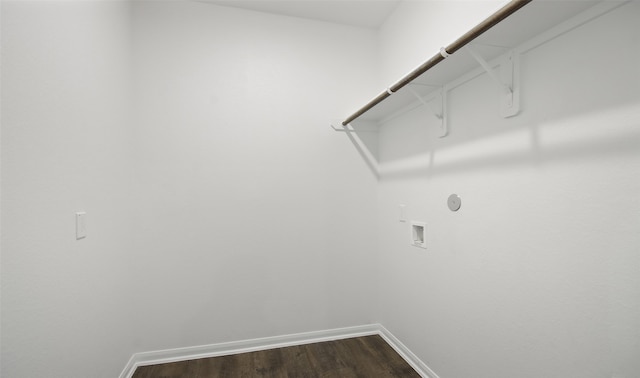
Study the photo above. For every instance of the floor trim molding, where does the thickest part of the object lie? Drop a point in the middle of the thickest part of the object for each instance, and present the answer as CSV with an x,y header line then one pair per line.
x,y
406,354
245,346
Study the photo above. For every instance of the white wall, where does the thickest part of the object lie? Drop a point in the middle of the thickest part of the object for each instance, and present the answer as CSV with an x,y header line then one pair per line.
x,y
254,218
224,210
65,148
537,275
227,210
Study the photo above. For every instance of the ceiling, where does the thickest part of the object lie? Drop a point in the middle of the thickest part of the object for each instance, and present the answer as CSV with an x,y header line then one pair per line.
x,y
362,13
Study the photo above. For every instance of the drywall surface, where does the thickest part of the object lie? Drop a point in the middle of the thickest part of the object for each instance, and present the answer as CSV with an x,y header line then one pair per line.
x,y
220,205
65,148
538,273
255,219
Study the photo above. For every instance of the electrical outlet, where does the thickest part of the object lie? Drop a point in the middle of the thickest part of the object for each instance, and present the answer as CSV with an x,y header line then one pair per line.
x,y
402,213
81,225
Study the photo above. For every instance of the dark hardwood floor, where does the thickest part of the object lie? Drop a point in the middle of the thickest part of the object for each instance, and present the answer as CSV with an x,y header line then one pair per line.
x,y
368,356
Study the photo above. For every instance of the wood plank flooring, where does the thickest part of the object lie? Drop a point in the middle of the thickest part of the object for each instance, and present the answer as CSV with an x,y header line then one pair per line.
x,y
367,356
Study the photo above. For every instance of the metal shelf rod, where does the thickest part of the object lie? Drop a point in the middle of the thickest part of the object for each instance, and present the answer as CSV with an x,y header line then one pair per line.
x,y
472,34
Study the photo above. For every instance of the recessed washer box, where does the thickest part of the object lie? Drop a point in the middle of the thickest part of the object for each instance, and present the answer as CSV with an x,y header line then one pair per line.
x,y
419,234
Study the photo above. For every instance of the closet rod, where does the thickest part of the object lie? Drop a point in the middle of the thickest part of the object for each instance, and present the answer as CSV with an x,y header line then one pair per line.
x,y
469,36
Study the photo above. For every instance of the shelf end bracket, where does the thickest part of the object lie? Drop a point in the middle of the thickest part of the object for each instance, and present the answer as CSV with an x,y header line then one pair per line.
x,y
506,78
438,106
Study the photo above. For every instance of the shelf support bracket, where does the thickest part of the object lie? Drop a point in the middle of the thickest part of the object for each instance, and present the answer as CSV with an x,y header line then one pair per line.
x,y
350,129
342,129
438,106
506,78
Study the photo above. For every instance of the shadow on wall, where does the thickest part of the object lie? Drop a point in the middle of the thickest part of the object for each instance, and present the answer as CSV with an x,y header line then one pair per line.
x,y
565,114
574,105
364,136
602,133
417,151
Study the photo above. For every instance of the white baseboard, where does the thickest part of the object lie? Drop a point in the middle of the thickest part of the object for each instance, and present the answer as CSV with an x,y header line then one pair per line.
x,y
245,346
406,354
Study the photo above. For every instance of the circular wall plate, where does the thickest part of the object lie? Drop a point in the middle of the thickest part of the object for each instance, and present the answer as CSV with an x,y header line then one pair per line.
x,y
454,202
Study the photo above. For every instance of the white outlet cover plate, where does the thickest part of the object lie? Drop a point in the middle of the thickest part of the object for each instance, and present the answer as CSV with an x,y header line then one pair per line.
x,y
81,225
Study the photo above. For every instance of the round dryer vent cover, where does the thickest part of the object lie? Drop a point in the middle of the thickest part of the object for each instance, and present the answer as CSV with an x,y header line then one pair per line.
x,y
454,202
